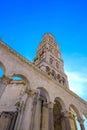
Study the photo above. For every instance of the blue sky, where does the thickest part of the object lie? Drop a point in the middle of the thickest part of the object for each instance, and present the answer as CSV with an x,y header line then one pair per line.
x,y
23,23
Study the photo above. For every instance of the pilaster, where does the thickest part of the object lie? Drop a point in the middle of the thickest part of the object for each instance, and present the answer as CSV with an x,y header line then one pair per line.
x,y
45,116
26,123
37,114
20,105
50,121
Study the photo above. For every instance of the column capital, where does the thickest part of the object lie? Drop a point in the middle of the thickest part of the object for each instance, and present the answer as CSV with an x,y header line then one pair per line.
x,y
31,92
6,80
50,105
65,113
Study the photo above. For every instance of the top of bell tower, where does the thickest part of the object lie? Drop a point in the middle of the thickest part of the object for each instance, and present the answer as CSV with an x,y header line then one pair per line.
x,y
48,38
48,59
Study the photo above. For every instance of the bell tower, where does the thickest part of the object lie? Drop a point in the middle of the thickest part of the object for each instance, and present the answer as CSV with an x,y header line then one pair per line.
x,y
48,59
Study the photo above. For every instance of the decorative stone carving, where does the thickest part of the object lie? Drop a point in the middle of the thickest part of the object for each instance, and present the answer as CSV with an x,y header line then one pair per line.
x,y
6,80
58,76
31,92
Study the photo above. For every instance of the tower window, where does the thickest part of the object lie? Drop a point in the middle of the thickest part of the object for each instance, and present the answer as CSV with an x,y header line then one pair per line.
x,y
58,76
57,65
53,74
48,70
51,61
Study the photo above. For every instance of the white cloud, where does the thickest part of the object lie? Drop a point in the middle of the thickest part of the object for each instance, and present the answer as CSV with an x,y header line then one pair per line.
x,y
76,76
76,70
78,83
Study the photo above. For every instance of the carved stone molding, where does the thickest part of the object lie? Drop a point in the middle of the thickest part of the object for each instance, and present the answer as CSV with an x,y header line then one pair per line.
x,y
31,92
65,113
50,105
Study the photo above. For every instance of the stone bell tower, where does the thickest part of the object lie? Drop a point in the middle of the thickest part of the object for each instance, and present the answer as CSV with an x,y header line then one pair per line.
x,y
48,59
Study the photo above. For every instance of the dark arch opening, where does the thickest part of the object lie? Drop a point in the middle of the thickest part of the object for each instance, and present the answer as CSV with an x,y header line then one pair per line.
x,y
57,115
43,93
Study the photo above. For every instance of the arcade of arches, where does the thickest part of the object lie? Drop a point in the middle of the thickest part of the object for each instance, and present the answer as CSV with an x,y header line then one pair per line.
x,y
36,96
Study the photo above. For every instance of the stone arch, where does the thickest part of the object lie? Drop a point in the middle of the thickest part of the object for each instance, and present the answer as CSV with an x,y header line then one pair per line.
x,y
45,93
75,109
61,103
23,77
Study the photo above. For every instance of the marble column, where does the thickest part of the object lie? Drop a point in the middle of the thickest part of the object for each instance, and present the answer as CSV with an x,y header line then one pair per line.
x,y
50,116
33,122
14,116
72,120
65,121
20,110
81,121
37,114
27,115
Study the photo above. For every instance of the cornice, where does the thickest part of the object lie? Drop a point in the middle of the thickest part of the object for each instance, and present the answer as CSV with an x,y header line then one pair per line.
x,y
40,71
14,52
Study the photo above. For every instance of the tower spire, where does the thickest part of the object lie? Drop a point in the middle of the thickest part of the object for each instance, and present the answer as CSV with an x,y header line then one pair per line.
x,y
48,59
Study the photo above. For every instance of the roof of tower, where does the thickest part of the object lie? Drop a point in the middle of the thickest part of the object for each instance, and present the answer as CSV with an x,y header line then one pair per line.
x,y
48,36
